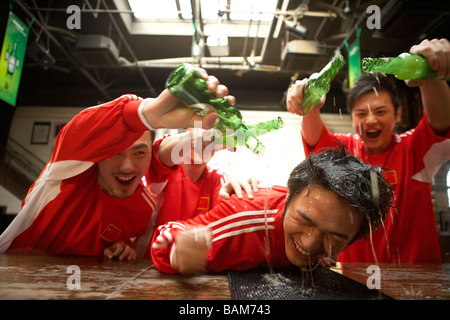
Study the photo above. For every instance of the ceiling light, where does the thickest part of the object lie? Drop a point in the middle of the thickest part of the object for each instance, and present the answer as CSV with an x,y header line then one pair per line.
x,y
347,10
296,29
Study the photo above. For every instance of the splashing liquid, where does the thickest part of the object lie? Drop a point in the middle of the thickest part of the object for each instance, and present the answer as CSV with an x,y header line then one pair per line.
x,y
371,244
375,89
376,197
277,278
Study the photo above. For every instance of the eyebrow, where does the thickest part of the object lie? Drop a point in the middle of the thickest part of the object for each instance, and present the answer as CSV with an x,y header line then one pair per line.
x,y
141,145
311,221
365,108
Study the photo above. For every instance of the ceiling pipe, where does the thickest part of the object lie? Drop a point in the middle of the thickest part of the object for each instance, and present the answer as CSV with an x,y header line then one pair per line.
x,y
224,63
135,60
198,43
88,4
173,62
280,19
322,23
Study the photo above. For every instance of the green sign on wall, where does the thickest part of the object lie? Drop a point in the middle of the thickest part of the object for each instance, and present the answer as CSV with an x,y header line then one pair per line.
x,y
12,57
354,58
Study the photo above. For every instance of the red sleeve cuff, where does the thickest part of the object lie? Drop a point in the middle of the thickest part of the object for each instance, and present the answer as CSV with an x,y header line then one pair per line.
x,y
132,117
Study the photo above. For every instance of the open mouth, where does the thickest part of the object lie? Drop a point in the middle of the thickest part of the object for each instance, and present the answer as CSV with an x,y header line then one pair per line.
x,y
373,134
300,252
125,180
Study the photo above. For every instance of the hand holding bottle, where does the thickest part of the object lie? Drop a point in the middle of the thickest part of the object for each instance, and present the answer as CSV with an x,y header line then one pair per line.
x,y
295,97
435,93
193,91
313,90
437,52
427,62
166,111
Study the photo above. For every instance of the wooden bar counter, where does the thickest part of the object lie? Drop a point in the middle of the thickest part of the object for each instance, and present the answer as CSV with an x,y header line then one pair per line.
x,y
403,281
36,277
50,277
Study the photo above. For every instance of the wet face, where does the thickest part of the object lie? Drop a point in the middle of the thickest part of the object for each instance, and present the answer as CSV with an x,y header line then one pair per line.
x,y
374,119
120,175
318,223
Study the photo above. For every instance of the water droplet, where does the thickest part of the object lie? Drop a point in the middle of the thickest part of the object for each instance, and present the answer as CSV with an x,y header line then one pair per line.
x,y
375,89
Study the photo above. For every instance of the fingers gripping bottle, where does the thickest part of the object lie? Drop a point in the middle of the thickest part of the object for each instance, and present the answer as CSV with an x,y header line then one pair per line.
x,y
191,89
319,83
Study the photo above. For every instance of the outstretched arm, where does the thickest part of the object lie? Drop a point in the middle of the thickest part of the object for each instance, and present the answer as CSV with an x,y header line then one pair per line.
x,y
435,93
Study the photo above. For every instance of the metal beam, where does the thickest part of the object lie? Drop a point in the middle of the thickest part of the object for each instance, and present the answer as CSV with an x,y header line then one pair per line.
x,y
56,42
130,50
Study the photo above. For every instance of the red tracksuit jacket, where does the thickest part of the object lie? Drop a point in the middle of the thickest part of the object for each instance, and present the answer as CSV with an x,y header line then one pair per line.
x,y
412,159
65,211
184,198
239,233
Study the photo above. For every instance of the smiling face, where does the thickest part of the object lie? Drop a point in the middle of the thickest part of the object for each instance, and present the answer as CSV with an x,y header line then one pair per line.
x,y
374,119
318,223
120,175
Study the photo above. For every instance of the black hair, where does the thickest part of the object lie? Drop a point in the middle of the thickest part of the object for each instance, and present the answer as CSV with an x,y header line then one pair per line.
x,y
352,180
152,135
368,83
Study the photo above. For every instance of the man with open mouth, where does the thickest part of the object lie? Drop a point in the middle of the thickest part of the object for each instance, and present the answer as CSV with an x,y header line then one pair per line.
x,y
412,158
98,193
328,204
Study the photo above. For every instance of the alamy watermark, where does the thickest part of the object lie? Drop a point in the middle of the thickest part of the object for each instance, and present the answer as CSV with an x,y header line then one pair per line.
x,y
74,20
198,145
374,20
374,280
74,280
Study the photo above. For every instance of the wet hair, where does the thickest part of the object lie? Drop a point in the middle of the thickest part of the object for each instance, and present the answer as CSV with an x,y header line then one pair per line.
x,y
335,169
366,83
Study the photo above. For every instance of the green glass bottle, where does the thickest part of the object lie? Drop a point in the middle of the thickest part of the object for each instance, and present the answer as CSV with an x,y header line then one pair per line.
x,y
188,86
245,136
192,90
319,83
406,66
265,126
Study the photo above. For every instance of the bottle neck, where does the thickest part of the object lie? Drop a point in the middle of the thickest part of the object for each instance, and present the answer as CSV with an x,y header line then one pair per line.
x,y
375,64
405,66
327,74
266,126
